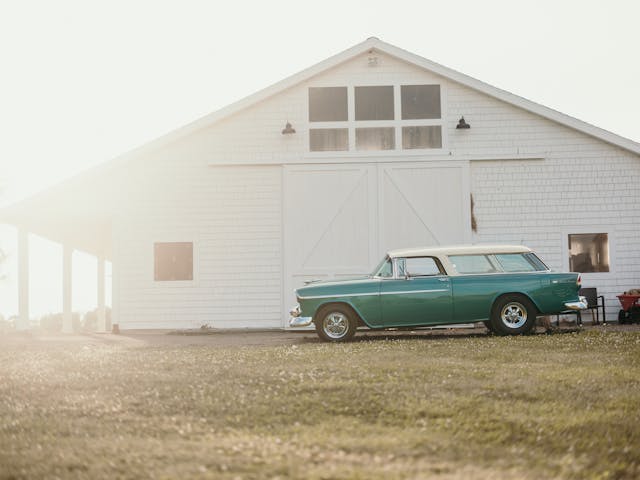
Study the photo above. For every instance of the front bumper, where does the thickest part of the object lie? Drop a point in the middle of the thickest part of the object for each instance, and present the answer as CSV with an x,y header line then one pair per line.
x,y
295,320
579,305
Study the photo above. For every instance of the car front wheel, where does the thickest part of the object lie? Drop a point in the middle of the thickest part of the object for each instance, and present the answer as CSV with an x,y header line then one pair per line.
x,y
513,315
336,323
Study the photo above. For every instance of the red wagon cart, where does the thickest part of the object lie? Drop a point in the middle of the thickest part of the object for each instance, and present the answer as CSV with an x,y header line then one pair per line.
x,y
630,312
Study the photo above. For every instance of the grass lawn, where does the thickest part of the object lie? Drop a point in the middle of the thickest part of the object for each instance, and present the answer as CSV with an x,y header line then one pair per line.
x,y
557,406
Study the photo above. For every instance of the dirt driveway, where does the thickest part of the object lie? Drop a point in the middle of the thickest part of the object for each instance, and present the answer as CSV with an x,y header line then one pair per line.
x,y
34,339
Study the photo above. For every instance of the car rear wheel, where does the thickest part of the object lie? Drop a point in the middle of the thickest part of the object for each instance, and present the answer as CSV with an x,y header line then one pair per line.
x,y
513,315
336,323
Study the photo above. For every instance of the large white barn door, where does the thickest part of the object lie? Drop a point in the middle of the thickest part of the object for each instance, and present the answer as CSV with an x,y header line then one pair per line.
x,y
329,223
423,205
340,219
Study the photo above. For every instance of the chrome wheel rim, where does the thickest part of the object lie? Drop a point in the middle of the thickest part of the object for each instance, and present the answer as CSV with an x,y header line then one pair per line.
x,y
335,325
513,315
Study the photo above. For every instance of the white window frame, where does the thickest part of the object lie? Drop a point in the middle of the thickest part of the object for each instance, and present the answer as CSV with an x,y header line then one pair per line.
x,y
397,123
591,277
175,283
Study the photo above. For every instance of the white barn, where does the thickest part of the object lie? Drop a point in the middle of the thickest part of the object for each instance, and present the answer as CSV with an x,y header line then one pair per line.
x,y
318,175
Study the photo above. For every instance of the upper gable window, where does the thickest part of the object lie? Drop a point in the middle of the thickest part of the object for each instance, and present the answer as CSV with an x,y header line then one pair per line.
x,y
328,104
375,139
328,139
422,137
374,103
420,102
375,118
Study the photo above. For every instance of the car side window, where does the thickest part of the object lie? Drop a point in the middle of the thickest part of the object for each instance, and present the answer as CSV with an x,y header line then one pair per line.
x,y
515,262
418,267
472,264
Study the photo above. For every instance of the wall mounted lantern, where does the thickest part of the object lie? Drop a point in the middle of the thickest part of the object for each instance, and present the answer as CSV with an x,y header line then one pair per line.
x,y
462,124
288,129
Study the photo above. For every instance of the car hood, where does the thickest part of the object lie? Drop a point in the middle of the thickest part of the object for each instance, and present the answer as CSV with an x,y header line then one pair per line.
x,y
338,287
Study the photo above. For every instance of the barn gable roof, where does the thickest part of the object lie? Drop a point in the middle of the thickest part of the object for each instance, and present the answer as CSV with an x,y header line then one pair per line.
x,y
376,44
86,181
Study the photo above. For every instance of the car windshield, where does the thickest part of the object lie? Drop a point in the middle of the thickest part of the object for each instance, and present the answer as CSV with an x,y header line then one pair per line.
x,y
384,269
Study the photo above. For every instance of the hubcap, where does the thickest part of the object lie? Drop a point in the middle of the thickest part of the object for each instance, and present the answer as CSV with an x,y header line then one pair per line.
x,y
335,325
513,315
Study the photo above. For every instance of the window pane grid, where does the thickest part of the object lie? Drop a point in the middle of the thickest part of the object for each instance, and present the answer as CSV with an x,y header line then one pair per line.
x,y
375,118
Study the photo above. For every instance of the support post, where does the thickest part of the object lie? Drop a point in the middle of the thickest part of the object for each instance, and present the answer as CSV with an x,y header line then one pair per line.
x,y
23,279
101,327
67,320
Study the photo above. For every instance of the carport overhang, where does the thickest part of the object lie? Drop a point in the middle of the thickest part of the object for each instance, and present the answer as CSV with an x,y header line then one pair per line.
x,y
77,214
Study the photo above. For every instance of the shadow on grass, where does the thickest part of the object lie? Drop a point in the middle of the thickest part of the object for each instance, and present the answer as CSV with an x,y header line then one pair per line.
x,y
440,334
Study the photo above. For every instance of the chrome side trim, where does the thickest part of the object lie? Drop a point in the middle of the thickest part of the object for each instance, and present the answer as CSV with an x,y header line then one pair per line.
x,y
317,297
416,291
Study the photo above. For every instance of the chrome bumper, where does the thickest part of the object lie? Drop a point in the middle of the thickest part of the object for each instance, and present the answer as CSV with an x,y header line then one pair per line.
x,y
295,320
579,305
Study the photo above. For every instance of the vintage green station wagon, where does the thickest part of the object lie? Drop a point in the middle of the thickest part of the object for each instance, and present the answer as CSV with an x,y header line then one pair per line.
x,y
504,286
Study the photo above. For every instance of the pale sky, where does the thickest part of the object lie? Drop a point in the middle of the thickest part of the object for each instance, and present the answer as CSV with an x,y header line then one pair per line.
x,y
84,81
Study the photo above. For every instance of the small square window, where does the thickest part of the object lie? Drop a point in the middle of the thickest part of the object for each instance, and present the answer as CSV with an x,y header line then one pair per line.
x,y
328,139
328,104
375,138
173,261
589,252
420,101
374,103
422,137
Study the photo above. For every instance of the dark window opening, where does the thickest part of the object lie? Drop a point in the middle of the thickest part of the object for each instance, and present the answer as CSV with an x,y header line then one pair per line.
x,y
374,103
375,138
328,104
328,139
173,261
422,137
589,252
420,101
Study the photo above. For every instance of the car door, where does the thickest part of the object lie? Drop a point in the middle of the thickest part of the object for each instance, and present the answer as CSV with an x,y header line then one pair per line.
x,y
419,294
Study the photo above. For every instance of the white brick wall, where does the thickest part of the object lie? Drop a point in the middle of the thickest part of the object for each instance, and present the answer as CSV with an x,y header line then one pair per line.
x,y
233,214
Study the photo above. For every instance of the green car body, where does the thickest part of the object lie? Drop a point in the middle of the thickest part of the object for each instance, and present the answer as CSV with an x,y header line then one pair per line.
x,y
504,286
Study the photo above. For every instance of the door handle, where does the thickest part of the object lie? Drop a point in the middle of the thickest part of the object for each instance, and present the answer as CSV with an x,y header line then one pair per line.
x,y
443,279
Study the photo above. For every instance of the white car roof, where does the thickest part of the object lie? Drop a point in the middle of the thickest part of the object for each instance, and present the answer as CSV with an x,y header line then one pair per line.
x,y
457,250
